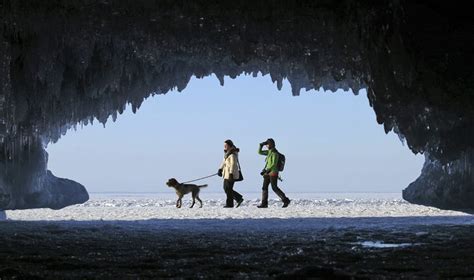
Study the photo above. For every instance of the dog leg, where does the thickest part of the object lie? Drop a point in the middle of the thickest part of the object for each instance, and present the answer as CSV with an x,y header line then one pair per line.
x,y
200,201
194,200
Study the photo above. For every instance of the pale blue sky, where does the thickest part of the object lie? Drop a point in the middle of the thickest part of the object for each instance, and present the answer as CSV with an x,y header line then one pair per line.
x,y
331,141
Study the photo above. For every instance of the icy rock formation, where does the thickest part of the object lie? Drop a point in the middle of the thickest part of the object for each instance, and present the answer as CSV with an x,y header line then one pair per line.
x,y
65,63
26,183
448,186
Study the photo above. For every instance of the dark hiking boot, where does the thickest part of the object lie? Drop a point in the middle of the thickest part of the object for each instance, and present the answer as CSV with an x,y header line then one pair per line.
x,y
239,202
262,206
286,202
228,206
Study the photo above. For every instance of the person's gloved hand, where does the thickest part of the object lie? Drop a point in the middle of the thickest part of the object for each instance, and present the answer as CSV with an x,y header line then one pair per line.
x,y
263,172
219,172
263,144
231,177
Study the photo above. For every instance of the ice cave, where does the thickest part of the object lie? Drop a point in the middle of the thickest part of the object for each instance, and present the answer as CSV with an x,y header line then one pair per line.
x,y
65,63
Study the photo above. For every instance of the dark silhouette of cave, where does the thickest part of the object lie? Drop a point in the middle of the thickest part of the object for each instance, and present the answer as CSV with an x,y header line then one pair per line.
x,y
67,62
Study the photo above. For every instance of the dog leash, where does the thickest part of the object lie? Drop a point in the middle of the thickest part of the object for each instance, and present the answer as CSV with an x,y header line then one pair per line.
x,y
199,178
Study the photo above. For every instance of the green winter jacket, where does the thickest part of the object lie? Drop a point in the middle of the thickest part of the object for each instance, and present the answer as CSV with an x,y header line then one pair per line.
x,y
271,160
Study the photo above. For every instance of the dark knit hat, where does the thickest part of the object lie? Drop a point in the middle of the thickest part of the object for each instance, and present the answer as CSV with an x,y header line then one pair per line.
x,y
270,140
229,142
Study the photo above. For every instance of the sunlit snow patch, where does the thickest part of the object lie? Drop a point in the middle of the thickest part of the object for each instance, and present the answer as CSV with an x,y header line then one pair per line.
x,y
382,245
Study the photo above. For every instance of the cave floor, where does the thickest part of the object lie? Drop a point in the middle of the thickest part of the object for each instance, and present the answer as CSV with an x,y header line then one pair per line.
x,y
131,250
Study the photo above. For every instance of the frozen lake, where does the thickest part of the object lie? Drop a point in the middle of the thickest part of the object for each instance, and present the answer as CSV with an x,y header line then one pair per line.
x,y
161,206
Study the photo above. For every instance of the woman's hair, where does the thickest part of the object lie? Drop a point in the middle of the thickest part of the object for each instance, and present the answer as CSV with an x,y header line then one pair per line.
x,y
229,142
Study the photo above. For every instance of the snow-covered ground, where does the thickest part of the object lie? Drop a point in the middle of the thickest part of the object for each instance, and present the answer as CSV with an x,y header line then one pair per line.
x,y
161,206
318,236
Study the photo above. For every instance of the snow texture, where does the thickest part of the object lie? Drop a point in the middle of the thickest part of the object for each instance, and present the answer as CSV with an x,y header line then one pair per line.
x,y
305,211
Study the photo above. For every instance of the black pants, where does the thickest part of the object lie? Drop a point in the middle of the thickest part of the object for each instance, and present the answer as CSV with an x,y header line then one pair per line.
x,y
230,193
273,180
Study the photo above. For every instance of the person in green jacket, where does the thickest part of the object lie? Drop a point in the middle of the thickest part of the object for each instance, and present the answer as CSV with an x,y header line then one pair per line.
x,y
270,173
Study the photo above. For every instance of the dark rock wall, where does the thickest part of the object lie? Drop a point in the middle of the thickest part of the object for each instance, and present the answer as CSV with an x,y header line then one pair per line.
x,y
65,63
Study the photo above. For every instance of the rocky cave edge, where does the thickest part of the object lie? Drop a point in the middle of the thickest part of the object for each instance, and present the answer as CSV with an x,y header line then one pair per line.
x,y
64,63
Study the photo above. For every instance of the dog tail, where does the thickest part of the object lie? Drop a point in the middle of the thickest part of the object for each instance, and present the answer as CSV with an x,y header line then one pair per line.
x,y
203,186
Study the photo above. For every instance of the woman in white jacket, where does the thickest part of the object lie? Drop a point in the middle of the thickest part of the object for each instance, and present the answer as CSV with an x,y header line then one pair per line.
x,y
229,171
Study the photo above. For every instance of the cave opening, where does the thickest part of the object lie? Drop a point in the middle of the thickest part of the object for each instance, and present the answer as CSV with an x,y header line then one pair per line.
x,y
331,139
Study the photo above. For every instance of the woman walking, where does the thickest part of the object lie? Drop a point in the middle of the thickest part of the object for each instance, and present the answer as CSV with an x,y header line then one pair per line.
x,y
229,171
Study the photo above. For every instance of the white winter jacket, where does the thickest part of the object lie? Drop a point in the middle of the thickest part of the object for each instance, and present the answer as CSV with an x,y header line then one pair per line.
x,y
230,164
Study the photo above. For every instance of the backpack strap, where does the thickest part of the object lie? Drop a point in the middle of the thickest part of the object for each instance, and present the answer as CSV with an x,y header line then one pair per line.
x,y
238,163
